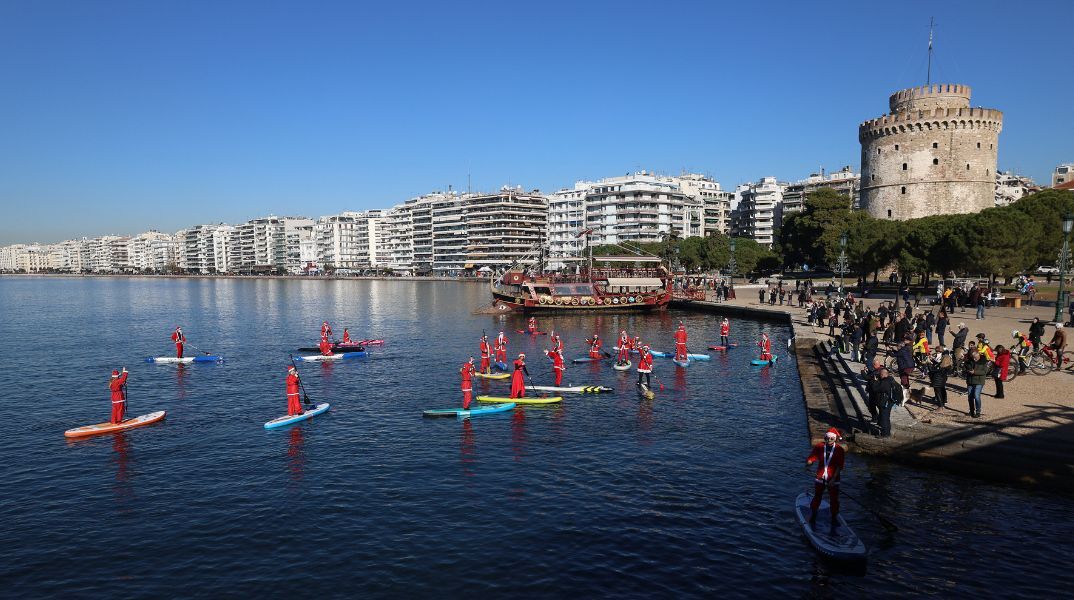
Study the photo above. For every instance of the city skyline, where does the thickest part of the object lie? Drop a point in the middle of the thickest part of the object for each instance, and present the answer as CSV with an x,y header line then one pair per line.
x,y
328,111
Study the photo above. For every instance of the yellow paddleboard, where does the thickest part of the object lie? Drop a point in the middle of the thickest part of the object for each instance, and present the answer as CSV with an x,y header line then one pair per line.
x,y
492,375
550,400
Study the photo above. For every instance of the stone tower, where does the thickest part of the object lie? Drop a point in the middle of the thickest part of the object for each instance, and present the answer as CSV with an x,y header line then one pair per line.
x,y
933,155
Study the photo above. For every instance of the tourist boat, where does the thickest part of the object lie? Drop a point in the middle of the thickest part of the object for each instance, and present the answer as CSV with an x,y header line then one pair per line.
x,y
608,283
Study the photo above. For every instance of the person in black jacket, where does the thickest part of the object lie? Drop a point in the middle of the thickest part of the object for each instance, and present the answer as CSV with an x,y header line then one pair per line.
x,y
871,375
941,327
904,357
902,328
958,345
856,332
938,374
1036,332
888,394
872,344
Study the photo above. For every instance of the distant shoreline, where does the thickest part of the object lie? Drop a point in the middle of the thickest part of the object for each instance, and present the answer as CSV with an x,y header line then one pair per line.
x,y
208,276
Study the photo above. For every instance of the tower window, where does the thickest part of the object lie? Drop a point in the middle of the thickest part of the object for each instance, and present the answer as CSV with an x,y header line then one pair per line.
x,y
935,145
889,213
935,161
904,189
896,146
874,177
903,166
986,172
878,150
990,146
978,145
967,166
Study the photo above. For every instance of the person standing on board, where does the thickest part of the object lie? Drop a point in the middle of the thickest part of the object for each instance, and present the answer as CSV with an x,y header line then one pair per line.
x,y
118,385
680,342
325,347
467,372
294,402
624,340
180,340
486,354
532,325
557,365
829,457
501,348
594,347
645,366
766,347
326,331
725,332
623,356
557,343
518,382
347,336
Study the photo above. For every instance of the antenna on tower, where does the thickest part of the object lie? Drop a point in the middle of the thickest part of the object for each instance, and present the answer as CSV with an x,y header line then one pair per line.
x,y
928,74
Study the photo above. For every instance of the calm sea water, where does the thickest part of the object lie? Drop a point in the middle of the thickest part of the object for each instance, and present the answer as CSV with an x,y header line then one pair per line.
x,y
606,495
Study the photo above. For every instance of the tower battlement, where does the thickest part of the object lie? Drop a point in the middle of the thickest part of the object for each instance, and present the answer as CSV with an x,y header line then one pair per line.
x,y
941,95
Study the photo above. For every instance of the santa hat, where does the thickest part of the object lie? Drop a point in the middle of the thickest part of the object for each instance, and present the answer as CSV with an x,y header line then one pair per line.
x,y
115,373
521,355
832,432
291,368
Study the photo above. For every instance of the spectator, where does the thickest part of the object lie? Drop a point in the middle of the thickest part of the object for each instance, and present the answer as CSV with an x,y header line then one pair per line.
x,y
980,306
929,324
872,344
941,327
999,373
1036,333
855,340
871,373
976,374
904,358
938,374
888,394
760,295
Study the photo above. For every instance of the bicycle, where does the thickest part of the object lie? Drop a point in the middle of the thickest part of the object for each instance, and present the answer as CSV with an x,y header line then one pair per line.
x,y
1035,362
1065,363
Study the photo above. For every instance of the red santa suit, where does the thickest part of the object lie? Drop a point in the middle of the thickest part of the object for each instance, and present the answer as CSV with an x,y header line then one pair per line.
x,y
119,395
680,343
326,331
346,335
486,355
645,365
594,348
179,339
501,348
518,382
294,403
557,344
766,347
725,332
829,458
557,365
532,326
326,347
467,386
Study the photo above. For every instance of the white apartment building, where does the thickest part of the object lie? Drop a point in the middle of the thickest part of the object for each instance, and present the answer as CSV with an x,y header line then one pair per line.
x,y
1064,173
351,240
195,250
448,229
566,221
844,181
398,238
107,254
499,229
1011,187
715,202
759,211
225,242
152,251
640,208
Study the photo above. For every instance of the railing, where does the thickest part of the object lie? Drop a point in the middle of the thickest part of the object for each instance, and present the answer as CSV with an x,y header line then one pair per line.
x,y
688,295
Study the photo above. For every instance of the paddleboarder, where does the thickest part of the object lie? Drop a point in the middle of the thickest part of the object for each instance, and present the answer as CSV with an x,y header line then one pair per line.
x,y
557,365
486,354
326,347
518,382
557,343
725,332
532,325
326,331
645,366
766,347
594,347
680,342
180,340
346,336
501,348
118,385
829,457
294,402
467,372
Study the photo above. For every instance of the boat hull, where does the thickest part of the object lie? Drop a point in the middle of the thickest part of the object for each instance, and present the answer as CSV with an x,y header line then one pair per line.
x,y
511,303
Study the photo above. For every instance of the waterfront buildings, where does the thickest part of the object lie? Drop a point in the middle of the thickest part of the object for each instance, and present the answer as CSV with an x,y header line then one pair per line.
x,y
151,251
1064,173
1011,187
844,181
759,212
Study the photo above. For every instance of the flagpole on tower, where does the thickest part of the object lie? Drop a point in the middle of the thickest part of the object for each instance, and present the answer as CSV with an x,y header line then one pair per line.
x,y
928,75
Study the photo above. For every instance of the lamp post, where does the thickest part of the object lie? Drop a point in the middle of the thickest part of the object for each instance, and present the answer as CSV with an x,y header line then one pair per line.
x,y
842,260
731,264
1064,256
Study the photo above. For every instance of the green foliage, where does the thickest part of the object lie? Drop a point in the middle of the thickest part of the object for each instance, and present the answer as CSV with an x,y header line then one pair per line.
x,y
812,235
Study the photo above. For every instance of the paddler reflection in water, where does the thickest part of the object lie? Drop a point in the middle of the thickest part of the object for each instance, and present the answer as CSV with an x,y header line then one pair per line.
x,y
294,403
829,457
518,382
467,371
118,385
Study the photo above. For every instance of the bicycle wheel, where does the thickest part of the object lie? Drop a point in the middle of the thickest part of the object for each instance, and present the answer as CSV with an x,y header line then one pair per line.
x,y
1068,361
1012,370
1040,364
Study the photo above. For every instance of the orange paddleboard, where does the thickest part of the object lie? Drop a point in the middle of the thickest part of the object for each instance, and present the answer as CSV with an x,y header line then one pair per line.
x,y
113,427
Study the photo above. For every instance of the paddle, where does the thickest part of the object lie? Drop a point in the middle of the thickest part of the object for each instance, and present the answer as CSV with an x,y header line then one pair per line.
x,y
198,349
305,397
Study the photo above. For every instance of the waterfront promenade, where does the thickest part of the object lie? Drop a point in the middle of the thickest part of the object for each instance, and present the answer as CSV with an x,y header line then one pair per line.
x,y
1027,437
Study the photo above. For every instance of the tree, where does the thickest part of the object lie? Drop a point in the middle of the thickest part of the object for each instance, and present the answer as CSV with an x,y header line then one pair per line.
x,y
812,235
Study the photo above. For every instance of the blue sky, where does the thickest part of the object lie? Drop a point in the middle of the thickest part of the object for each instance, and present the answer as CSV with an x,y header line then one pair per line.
x,y
117,117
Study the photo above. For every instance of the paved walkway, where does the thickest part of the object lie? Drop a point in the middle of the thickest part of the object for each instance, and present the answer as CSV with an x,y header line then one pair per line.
x,y
1031,402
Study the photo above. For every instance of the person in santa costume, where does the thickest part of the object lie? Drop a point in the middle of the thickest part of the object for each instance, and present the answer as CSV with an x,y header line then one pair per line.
x,y
829,458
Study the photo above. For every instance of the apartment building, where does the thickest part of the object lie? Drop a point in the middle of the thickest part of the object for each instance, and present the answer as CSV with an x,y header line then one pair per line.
x,y
196,252
566,221
351,240
844,181
151,251
759,212
640,208
501,228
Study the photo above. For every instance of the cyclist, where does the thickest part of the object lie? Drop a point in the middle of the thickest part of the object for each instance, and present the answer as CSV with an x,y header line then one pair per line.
x,y
985,348
1022,348
1058,344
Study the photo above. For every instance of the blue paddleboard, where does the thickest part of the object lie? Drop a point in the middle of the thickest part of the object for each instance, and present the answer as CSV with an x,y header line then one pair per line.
x,y
286,420
760,363
462,412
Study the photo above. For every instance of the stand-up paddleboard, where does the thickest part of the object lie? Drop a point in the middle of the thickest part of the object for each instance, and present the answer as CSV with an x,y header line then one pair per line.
x,y
722,348
632,350
622,367
575,389
100,428
369,342
681,363
323,358
338,348
760,363
585,359
286,420
549,400
468,412
523,331
839,544
204,358
688,355
500,365
646,393
492,375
